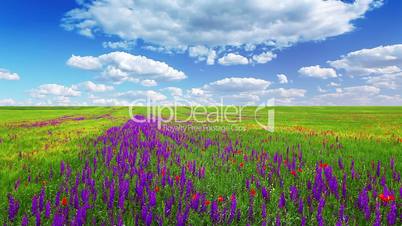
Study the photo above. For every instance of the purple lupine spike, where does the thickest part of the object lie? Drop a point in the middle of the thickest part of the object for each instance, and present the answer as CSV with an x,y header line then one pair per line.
x,y
34,206
278,220
263,211
340,164
377,220
251,211
195,201
378,173
392,214
24,221
293,193
62,168
41,199
38,219
265,193
214,212
300,206
111,195
352,170
13,207
321,204
303,221
282,201
149,218
47,209
152,198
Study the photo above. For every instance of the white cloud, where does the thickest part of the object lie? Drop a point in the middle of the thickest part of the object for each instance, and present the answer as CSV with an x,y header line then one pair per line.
x,y
334,84
92,87
233,59
7,75
109,102
380,66
203,53
213,23
282,78
85,63
119,45
149,82
318,72
237,84
54,90
264,57
174,91
121,66
379,60
355,95
388,81
286,93
7,102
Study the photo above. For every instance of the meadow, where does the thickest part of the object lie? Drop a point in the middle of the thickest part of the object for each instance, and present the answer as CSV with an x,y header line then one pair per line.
x,y
93,165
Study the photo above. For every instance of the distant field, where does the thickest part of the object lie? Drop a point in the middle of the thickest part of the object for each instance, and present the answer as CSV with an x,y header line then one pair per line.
x,y
357,147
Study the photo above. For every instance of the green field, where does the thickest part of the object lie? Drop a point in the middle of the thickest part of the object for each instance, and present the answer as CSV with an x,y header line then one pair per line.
x,y
240,164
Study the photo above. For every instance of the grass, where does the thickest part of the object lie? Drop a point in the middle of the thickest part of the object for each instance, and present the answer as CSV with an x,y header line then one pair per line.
x,y
365,135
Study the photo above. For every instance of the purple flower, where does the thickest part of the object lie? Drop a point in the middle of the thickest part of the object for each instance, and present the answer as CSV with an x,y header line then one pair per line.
x,y
392,214
13,207
24,221
282,201
47,209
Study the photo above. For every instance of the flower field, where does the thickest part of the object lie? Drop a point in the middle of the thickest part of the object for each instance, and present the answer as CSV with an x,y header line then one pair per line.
x,y
95,166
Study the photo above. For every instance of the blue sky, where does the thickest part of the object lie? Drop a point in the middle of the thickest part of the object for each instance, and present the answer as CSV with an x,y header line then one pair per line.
x,y
113,52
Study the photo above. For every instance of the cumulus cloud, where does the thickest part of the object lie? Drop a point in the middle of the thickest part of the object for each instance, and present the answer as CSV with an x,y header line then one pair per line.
x,y
85,63
318,72
380,66
354,95
92,87
149,82
203,53
119,45
378,60
192,23
286,93
237,84
7,75
233,59
7,102
121,66
282,79
55,90
174,91
264,57
109,102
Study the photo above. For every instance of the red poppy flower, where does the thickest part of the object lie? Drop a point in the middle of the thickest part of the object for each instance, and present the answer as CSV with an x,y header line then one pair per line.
x,y
64,201
293,173
220,199
386,198
264,167
253,192
285,162
156,188
241,165
177,178
299,170
207,202
195,196
163,172
323,165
